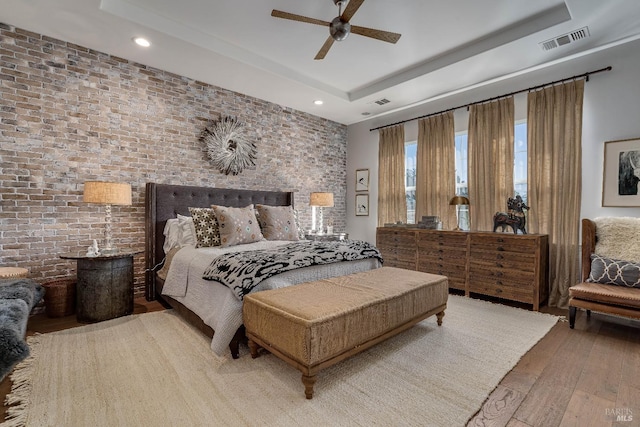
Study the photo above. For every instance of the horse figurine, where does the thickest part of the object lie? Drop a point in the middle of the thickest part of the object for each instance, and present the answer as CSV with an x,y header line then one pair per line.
x,y
514,218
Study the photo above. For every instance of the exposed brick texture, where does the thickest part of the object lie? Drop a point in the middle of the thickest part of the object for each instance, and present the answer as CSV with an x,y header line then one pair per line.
x,y
69,114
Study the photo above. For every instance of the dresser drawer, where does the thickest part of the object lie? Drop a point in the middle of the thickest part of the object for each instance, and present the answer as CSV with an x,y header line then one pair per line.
x,y
441,238
501,290
498,260
504,243
501,275
396,238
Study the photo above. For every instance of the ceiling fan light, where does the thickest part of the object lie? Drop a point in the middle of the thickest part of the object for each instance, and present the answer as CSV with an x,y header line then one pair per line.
x,y
339,29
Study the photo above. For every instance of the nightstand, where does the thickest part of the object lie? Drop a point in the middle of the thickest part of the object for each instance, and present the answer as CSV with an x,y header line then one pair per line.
x,y
105,285
327,237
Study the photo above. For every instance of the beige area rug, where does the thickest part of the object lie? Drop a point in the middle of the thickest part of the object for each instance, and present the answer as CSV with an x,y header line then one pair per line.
x,y
155,370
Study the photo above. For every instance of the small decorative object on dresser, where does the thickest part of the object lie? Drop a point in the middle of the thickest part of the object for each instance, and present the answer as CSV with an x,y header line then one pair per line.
x,y
458,201
228,147
514,218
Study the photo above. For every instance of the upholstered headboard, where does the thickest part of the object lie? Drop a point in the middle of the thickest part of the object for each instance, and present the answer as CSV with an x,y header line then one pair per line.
x,y
164,201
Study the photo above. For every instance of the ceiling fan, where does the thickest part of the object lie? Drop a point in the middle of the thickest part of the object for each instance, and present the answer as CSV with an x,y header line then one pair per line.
x,y
339,28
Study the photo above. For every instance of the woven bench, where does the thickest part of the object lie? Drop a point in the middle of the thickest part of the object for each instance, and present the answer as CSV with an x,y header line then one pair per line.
x,y
314,325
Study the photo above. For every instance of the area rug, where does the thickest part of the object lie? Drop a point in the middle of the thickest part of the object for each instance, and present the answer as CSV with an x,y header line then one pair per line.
x,y
154,369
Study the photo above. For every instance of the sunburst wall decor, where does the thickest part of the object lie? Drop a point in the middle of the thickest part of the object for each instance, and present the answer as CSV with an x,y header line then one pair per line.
x,y
228,147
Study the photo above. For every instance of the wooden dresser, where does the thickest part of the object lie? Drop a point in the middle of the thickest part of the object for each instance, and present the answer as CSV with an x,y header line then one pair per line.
x,y
504,265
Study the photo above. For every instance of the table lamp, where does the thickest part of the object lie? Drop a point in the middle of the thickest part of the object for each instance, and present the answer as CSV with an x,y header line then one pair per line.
x,y
320,200
458,201
107,193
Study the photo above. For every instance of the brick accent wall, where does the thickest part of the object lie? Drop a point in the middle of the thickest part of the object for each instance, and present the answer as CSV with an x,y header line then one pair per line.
x,y
69,114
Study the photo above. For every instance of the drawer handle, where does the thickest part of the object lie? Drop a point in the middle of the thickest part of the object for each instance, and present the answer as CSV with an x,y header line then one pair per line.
x,y
499,265
498,274
500,256
500,240
499,291
500,248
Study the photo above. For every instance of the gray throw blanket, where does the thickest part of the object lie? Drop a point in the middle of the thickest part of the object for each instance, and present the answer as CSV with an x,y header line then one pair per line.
x,y
243,271
17,298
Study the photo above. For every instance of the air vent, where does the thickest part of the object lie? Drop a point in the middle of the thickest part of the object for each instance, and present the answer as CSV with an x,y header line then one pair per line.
x,y
382,101
565,39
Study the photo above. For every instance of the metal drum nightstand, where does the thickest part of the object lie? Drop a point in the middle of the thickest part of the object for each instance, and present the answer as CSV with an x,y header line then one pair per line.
x,y
105,285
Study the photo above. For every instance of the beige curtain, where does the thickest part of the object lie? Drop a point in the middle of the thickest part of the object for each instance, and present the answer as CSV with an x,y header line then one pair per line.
x,y
436,168
491,128
392,203
554,144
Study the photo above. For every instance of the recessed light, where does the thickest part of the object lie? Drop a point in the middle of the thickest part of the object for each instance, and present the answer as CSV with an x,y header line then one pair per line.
x,y
141,41
366,113
318,102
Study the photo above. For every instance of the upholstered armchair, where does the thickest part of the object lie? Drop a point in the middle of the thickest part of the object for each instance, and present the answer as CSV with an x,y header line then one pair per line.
x,y
610,269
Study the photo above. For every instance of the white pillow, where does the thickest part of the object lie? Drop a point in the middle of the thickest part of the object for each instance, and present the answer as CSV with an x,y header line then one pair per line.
x,y
188,230
172,235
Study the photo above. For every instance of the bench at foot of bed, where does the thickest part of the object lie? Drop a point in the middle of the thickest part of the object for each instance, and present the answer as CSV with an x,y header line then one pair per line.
x,y
314,325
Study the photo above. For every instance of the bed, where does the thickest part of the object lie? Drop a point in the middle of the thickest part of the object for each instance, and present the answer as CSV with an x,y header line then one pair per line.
x,y
208,305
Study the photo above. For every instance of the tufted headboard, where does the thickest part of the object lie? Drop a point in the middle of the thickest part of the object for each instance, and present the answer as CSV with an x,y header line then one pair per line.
x,y
164,201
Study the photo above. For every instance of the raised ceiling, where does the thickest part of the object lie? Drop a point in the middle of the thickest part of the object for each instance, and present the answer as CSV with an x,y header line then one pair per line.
x,y
238,45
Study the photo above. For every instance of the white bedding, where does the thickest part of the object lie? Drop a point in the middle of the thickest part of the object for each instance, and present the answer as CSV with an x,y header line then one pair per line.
x,y
216,304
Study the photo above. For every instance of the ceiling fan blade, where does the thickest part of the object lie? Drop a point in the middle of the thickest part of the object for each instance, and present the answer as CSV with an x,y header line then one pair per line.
x,y
351,9
385,36
324,49
299,18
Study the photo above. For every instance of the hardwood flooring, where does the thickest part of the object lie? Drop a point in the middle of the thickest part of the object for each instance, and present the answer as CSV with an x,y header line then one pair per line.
x,y
587,376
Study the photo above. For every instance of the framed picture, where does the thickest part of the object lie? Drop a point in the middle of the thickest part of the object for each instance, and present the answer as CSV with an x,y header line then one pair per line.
x,y
362,205
621,173
362,180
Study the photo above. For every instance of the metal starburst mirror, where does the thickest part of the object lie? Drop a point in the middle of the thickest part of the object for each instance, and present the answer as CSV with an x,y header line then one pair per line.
x,y
228,147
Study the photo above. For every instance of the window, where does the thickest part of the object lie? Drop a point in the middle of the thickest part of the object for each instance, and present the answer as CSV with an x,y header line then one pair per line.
x,y
520,160
462,187
410,153
461,159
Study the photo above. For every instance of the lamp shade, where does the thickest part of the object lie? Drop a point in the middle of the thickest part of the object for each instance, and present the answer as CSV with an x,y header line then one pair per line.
x,y
324,200
459,200
107,193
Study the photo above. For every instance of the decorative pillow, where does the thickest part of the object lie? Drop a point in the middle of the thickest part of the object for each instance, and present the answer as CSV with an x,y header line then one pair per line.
x,y
614,272
188,231
277,222
206,227
172,235
237,225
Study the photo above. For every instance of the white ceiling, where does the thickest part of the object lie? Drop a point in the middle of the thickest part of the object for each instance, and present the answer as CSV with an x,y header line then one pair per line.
x,y
237,45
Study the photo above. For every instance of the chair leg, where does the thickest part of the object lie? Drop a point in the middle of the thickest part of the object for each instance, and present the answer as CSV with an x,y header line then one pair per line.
x,y
572,317
588,314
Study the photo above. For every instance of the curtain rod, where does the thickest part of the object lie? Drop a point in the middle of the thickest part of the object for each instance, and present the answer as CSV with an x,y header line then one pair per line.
x,y
585,76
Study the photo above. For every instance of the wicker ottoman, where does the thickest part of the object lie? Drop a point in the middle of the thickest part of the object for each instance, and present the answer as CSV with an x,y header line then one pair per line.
x,y
317,324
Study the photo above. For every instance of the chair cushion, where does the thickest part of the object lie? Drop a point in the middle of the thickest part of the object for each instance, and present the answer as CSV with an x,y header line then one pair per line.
x,y
610,294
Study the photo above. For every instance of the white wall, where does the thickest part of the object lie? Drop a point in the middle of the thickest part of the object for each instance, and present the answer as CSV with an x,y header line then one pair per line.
x,y
611,112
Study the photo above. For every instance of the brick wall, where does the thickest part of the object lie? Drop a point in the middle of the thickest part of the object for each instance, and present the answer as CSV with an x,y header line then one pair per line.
x,y
69,114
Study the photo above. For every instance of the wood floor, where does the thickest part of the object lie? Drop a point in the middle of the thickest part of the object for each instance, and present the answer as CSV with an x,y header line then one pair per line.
x,y
582,377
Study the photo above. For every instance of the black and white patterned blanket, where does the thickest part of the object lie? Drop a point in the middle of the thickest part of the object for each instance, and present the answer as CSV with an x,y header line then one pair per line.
x,y
243,271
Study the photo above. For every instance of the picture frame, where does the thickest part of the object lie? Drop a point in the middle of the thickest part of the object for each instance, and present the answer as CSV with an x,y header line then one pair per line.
x,y
621,173
362,205
362,180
